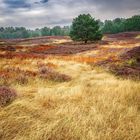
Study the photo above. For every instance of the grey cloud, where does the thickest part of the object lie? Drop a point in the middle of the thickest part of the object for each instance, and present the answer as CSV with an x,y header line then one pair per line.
x,y
39,13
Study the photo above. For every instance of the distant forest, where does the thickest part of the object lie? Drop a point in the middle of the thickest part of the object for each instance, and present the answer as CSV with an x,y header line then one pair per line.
x,y
109,26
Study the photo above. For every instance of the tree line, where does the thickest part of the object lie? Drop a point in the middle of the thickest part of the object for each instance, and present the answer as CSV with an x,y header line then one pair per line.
x,y
21,32
108,26
121,25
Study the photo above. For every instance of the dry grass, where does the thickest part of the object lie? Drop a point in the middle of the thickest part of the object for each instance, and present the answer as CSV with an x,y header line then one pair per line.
x,y
94,105
138,36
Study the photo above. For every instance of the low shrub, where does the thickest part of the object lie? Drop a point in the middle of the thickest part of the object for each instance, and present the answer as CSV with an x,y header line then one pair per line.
x,y
125,72
131,62
7,95
45,70
50,74
57,77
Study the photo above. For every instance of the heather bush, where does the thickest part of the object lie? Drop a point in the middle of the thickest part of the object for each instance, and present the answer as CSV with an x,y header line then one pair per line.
x,y
61,77
45,70
57,77
50,74
7,95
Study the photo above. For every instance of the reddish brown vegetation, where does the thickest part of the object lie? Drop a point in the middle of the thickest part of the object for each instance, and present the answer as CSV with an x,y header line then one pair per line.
x,y
132,53
125,35
51,65
22,55
36,44
50,74
7,95
132,66
35,40
106,55
126,71
7,48
10,76
69,49
41,48
19,71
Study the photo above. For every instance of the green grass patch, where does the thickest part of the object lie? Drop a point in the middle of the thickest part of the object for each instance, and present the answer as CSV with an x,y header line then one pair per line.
x,y
131,62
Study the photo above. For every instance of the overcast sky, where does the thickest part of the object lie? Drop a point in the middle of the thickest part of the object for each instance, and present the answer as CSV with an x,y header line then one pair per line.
x,y
40,13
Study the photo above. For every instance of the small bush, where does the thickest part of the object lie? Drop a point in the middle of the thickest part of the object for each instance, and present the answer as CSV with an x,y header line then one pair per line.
x,y
50,74
45,70
57,77
7,95
131,62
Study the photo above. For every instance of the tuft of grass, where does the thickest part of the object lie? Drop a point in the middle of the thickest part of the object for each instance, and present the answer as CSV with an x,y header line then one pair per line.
x,y
22,79
4,80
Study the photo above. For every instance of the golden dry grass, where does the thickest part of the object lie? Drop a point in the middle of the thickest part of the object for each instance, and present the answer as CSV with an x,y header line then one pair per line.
x,y
94,105
138,36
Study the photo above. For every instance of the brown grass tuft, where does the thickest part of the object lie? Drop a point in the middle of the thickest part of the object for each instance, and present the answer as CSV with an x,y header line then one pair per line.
x,y
22,79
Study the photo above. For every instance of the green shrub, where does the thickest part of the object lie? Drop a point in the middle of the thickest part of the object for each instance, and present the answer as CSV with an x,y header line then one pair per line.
x,y
132,62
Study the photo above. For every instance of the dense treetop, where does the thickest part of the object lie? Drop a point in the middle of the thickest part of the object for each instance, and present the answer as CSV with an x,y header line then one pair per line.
x,y
122,25
85,28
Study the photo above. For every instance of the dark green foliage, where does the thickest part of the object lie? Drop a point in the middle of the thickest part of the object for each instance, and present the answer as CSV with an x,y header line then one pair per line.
x,y
34,33
85,28
56,31
45,31
66,30
101,24
21,32
11,32
132,24
122,25
115,26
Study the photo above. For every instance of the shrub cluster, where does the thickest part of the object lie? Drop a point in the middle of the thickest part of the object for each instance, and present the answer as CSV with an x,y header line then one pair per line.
x,y
50,74
7,95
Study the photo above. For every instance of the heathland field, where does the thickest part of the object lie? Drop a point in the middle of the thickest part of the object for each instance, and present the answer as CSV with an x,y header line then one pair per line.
x,y
56,89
